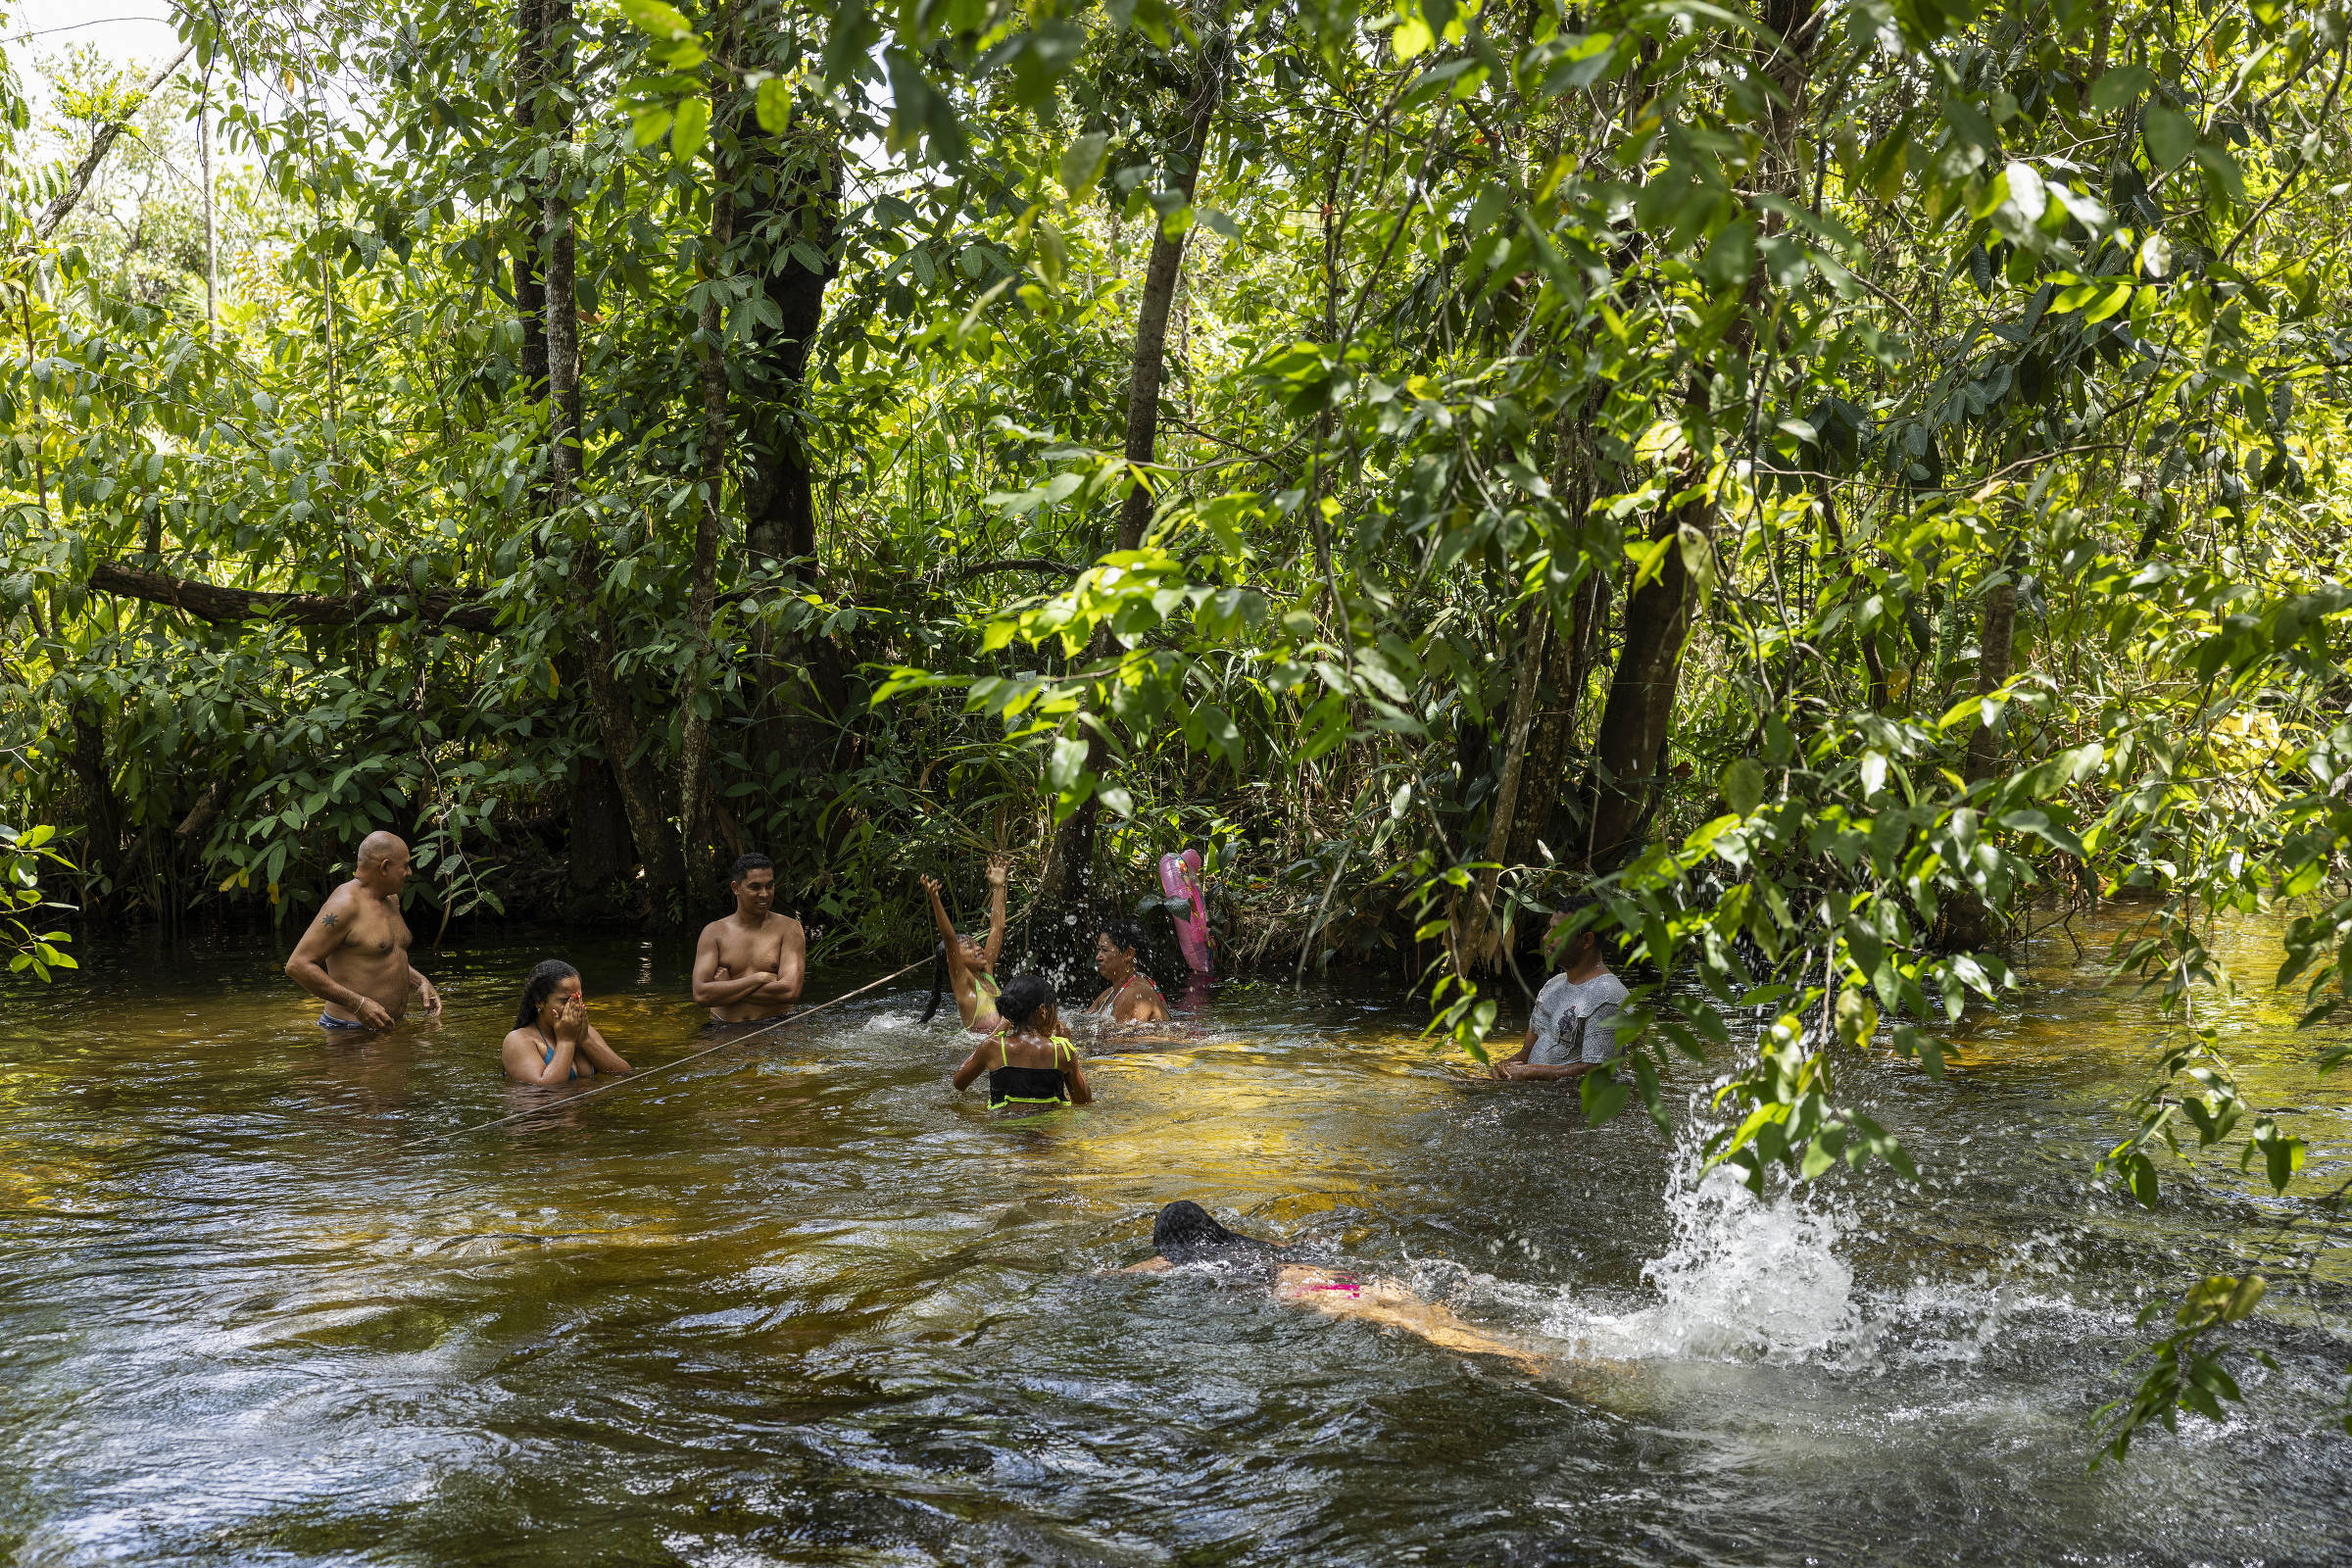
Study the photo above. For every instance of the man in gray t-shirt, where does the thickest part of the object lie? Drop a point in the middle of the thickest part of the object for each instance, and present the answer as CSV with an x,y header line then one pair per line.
x,y
1574,1029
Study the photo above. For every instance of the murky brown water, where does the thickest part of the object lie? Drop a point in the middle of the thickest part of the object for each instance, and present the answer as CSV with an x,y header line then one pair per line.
x,y
801,1304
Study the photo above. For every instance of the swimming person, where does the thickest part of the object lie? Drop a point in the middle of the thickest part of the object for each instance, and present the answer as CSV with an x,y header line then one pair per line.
x,y
1186,1233
553,1041
355,956
1035,1067
748,965
1132,997
1574,1029
967,964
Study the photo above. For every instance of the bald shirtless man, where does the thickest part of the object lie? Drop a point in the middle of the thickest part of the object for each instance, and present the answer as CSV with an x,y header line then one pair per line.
x,y
748,967
355,956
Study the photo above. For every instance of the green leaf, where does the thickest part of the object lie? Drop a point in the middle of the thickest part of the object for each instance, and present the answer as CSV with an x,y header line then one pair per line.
x,y
692,126
2120,86
650,126
1742,783
1604,1097
1082,163
652,16
2169,135
774,106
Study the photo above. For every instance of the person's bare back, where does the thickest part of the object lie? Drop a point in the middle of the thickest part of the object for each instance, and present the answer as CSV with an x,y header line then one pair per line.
x,y
748,967
355,956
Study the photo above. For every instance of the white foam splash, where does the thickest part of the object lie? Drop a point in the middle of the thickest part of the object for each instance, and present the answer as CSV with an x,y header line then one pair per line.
x,y
1744,1278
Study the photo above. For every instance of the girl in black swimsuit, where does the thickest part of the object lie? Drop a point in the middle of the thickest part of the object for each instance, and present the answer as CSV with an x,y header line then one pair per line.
x,y
1031,1066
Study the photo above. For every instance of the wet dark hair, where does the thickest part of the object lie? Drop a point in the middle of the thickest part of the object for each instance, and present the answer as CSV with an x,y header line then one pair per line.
x,y
1023,995
938,979
1569,908
746,864
1125,934
1185,1233
538,986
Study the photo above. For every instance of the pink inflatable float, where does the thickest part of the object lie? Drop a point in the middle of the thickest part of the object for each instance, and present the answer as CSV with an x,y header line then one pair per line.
x,y
1180,878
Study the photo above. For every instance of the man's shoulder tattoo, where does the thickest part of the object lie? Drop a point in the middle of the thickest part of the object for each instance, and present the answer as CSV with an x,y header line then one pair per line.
x,y
327,919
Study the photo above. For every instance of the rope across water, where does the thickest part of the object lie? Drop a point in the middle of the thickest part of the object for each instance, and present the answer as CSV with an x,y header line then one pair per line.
x,y
640,1077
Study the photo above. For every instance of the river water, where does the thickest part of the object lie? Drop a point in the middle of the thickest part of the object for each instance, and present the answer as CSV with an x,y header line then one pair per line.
x,y
800,1304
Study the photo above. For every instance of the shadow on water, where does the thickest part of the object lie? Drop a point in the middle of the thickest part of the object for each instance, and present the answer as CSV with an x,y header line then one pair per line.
x,y
800,1303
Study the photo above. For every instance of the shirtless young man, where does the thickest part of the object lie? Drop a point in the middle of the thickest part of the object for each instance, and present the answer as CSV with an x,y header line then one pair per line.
x,y
748,967
355,956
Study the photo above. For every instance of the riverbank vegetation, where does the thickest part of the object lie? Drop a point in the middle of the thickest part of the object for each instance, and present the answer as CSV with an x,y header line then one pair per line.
x,y
1845,484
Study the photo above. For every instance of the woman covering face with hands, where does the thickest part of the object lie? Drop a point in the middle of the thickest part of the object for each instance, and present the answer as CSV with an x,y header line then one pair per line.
x,y
552,1041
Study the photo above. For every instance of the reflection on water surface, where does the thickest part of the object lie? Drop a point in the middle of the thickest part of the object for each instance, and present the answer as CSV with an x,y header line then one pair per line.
x,y
801,1304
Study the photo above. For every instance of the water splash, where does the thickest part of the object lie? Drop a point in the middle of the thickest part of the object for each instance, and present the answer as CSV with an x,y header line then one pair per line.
x,y
1744,1278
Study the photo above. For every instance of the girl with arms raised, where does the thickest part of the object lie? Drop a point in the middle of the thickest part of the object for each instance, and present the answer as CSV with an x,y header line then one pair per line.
x,y
967,964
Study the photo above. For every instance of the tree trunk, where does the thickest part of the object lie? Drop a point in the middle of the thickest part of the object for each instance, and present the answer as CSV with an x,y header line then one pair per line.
x,y
789,207
1968,921
702,884
530,297
1993,672
1478,943
1544,774
1071,859
212,235
1872,660
639,781
559,288
598,850
1641,706
101,812
787,201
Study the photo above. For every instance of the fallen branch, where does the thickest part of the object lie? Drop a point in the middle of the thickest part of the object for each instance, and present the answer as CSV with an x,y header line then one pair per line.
x,y
220,605
1022,563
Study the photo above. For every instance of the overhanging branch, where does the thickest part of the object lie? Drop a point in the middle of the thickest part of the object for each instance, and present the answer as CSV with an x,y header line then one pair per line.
x,y
226,605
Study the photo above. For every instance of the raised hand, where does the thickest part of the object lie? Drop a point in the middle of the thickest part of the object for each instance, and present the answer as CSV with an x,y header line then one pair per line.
x,y
930,884
995,870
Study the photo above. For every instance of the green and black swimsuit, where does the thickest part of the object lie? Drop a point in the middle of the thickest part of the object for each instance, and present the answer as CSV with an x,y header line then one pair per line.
x,y
1010,1087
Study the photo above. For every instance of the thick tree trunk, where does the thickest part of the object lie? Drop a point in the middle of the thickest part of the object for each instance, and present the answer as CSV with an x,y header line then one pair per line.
x,y
1070,860
787,201
598,850
788,207
702,883
1632,726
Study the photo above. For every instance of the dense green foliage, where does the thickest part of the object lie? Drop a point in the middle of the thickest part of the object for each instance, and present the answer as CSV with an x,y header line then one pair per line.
x,y
1837,482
